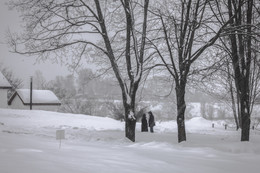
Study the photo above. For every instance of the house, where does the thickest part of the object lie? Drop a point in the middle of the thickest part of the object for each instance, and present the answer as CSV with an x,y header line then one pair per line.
x,y
41,100
4,87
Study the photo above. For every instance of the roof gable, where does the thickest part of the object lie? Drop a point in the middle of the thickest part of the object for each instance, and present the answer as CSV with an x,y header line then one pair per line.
x,y
39,97
3,82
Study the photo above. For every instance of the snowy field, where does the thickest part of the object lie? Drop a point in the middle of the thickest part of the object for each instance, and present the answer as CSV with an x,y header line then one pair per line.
x,y
97,145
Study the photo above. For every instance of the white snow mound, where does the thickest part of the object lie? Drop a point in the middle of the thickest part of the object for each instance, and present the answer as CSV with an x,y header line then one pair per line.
x,y
37,119
198,123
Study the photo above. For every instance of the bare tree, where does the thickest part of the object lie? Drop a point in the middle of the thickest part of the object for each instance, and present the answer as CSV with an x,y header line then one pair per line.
x,y
55,29
241,58
186,33
242,33
217,80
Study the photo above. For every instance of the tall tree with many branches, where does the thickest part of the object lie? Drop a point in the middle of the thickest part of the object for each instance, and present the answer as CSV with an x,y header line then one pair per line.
x,y
186,30
236,63
63,28
243,35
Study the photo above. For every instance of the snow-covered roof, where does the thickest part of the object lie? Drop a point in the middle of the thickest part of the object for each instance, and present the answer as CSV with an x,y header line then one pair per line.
x,y
3,82
41,97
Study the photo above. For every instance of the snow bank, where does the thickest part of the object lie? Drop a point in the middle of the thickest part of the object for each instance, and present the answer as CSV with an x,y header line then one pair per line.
x,y
195,124
97,144
36,119
198,123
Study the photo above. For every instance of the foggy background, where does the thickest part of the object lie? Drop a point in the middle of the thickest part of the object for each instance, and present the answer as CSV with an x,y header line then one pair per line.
x,y
22,66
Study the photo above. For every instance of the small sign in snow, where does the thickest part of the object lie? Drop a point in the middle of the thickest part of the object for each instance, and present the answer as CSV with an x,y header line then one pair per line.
x,y
60,134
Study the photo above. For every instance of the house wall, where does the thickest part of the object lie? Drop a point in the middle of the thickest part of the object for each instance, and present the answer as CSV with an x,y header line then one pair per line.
x,y
18,104
3,98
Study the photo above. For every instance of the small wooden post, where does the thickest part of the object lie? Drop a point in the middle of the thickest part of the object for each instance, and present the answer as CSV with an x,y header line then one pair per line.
x,y
225,126
213,125
31,93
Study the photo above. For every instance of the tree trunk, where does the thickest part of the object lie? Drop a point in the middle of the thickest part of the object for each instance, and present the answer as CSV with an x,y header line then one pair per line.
x,y
245,129
234,108
239,111
233,99
245,110
130,123
241,59
130,129
181,107
245,102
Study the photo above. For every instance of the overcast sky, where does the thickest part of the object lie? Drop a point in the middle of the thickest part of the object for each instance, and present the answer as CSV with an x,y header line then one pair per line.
x,y
22,66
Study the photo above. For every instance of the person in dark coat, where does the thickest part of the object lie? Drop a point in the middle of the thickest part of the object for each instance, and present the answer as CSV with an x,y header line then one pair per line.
x,y
151,121
144,127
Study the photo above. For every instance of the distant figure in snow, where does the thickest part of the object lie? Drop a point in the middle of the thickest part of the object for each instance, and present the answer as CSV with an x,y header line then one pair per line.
x,y
144,127
151,121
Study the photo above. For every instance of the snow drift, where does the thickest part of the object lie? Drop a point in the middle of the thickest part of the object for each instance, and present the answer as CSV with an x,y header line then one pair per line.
x,y
97,144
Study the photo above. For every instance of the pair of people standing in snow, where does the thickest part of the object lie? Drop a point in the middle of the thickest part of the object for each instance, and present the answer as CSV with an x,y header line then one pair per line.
x,y
150,122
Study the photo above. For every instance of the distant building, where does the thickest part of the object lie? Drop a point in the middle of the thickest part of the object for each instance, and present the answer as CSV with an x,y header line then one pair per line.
x,y
41,100
4,87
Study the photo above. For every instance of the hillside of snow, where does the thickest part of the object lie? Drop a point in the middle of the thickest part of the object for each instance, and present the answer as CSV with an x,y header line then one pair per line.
x,y
97,144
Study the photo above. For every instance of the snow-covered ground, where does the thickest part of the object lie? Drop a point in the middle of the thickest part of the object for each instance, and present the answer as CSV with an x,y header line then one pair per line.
x,y
95,145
